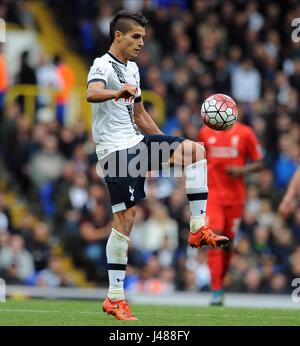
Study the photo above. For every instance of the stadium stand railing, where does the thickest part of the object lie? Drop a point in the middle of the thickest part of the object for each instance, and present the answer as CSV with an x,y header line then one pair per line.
x,y
31,92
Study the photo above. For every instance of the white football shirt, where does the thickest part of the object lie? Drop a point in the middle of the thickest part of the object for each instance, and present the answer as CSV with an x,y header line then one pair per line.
x,y
113,124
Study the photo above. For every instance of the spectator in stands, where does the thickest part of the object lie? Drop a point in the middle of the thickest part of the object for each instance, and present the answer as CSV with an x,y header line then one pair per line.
x,y
16,263
4,238
5,219
94,230
3,79
158,226
246,82
47,164
26,75
54,276
286,164
65,75
38,245
47,77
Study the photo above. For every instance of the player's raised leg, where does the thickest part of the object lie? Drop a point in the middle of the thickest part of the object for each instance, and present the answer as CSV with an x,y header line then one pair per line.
x,y
191,155
116,253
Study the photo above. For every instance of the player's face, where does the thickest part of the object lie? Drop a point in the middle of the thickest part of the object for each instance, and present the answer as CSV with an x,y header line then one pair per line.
x,y
132,41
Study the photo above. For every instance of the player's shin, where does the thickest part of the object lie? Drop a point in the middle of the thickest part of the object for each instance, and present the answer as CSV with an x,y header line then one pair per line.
x,y
215,264
116,253
197,192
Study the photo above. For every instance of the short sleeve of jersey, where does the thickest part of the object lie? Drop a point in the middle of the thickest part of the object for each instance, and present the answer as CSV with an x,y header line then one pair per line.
x,y
99,72
253,147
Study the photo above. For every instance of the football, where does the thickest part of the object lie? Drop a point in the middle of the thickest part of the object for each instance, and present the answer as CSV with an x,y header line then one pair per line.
x,y
219,112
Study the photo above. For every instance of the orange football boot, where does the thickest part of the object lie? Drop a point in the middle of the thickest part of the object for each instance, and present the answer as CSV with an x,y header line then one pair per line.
x,y
205,236
120,309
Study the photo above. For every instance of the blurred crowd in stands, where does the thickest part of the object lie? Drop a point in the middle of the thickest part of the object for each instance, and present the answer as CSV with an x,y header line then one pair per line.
x,y
192,49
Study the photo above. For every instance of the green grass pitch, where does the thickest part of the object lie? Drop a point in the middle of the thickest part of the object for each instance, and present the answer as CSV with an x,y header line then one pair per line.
x,y
89,313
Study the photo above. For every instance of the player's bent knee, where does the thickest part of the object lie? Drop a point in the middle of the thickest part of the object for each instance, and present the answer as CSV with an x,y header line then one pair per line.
x,y
124,220
129,219
198,153
192,152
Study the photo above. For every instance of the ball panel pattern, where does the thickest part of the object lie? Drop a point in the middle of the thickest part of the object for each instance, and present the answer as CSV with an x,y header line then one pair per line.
x,y
219,112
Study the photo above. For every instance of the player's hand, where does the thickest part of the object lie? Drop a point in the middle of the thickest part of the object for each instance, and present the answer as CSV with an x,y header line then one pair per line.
x,y
286,207
126,92
235,171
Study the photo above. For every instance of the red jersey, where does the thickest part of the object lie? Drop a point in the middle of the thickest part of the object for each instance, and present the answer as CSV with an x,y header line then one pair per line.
x,y
233,147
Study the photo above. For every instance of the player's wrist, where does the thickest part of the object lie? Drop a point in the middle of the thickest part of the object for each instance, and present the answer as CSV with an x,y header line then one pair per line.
x,y
116,94
288,199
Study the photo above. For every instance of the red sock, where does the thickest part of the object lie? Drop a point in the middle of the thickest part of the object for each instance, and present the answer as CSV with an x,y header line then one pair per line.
x,y
215,263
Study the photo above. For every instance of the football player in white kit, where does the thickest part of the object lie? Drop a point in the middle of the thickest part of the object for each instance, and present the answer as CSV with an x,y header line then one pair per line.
x,y
122,131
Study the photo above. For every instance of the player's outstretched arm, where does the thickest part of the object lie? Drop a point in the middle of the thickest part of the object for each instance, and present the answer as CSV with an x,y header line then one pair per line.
x,y
144,120
287,203
252,167
96,92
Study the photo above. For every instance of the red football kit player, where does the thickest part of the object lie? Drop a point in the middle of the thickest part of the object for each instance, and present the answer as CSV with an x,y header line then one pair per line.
x,y
228,154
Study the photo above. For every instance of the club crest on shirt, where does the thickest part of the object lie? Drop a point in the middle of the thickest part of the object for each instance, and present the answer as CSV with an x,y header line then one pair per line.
x,y
131,190
212,140
235,141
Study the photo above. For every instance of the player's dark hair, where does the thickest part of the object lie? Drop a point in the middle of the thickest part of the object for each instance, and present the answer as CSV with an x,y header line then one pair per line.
x,y
123,20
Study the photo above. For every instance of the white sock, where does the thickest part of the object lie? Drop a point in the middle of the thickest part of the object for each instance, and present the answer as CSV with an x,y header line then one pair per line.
x,y
197,192
116,253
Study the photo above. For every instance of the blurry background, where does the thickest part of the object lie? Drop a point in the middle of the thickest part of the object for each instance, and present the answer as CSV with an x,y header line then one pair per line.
x,y
54,212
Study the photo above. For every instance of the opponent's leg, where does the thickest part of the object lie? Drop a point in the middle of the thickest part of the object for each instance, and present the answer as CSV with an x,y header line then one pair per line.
x,y
233,219
219,260
216,220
